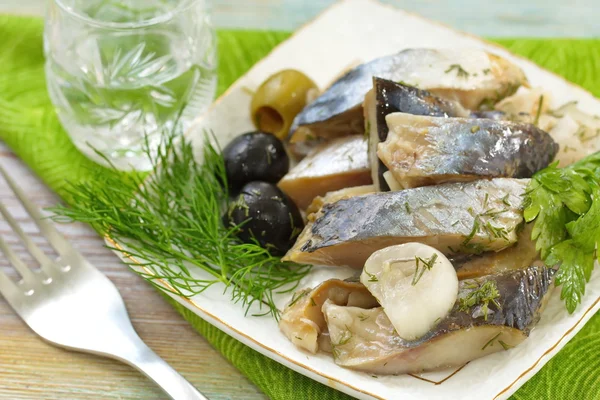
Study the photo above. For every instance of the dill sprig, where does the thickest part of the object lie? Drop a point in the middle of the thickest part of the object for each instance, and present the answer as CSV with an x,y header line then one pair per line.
x,y
170,224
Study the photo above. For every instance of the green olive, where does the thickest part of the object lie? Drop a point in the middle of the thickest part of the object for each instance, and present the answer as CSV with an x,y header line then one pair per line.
x,y
279,99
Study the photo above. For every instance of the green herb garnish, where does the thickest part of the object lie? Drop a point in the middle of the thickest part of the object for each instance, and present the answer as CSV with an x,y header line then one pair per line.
x,y
460,71
504,345
482,295
564,204
421,266
372,277
491,341
539,110
170,227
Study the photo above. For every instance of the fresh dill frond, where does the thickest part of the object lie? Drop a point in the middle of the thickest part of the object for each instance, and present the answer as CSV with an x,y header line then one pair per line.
x,y
169,225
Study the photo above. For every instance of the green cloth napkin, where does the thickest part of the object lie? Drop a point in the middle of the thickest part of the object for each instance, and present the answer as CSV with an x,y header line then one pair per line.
x,y
30,127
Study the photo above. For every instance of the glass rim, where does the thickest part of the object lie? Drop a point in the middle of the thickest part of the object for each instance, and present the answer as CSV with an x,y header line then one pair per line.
x,y
184,5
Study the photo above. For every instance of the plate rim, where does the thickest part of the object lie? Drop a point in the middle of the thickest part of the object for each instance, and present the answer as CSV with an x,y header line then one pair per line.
x,y
319,376
330,381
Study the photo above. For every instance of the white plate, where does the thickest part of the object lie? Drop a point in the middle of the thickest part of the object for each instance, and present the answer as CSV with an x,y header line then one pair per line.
x,y
350,32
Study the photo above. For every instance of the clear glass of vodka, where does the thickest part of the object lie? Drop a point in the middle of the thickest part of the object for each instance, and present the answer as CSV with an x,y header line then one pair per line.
x,y
123,73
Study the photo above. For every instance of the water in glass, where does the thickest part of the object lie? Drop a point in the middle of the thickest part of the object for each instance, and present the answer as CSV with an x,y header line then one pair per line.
x,y
123,73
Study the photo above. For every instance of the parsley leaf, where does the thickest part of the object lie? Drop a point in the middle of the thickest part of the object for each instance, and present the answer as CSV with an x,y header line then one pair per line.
x,y
576,265
565,205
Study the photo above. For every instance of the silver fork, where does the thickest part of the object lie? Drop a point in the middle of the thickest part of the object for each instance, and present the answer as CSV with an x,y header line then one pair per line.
x,y
71,304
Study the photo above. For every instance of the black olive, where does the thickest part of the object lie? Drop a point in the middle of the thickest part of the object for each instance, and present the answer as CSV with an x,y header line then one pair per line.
x,y
254,156
270,217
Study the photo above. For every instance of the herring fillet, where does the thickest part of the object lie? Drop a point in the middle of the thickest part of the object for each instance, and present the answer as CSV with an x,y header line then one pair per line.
x,y
388,97
338,164
422,150
469,76
468,217
302,320
519,256
365,340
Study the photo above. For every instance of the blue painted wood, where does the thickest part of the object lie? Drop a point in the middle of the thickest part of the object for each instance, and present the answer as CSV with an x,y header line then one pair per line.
x,y
531,18
497,18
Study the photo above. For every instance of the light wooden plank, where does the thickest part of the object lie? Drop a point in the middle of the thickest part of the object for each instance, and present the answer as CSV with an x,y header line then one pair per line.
x,y
33,369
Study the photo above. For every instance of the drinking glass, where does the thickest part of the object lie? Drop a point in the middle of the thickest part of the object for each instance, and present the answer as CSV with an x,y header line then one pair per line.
x,y
123,73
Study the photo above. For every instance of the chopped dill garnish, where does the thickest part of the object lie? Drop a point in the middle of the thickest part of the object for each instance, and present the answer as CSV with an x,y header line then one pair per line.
x,y
482,295
474,230
407,207
496,232
421,266
493,213
485,200
343,340
582,138
491,341
460,71
169,226
298,337
372,277
474,128
505,200
312,302
363,317
539,110
504,345
486,71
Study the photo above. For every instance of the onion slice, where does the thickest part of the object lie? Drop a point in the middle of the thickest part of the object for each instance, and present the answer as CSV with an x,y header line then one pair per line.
x,y
415,284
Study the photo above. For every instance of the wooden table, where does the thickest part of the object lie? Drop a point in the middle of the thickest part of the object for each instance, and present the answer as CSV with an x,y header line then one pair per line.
x,y
32,369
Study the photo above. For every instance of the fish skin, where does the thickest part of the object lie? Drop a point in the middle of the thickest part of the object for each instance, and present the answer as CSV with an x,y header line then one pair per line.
x,y
348,231
390,97
337,111
429,150
378,349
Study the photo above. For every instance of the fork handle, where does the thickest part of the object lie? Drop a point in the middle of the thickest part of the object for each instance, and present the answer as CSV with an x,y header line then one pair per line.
x,y
170,381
